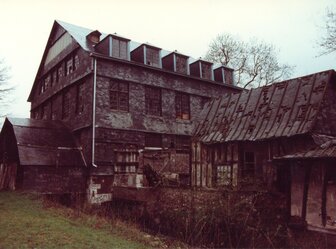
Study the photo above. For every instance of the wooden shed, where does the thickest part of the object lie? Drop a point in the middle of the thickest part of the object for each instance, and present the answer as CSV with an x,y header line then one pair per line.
x,y
40,156
312,191
241,134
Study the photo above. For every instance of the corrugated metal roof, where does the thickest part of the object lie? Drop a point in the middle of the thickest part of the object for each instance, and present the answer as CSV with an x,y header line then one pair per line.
x,y
279,110
44,142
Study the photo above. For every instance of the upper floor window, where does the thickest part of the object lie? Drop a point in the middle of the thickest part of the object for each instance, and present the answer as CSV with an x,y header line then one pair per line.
x,y
80,99
119,96
66,105
119,48
71,63
152,57
153,101
182,106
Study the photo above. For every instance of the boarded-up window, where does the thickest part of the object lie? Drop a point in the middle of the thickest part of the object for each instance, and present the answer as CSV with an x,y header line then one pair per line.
x,y
206,71
182,106
80,99
119,48
153,101
181,64
153,140
65,105
152,57
119,95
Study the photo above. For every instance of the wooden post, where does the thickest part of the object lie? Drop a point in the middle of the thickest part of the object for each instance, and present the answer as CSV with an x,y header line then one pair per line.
x,y
324,196
305,191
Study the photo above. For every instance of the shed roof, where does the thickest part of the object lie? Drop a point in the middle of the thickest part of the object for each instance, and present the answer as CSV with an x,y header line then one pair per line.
x,y
43,142
282,109
325,151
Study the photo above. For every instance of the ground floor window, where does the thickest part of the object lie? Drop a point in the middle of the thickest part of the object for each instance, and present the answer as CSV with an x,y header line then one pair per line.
x,y
224,175
249,164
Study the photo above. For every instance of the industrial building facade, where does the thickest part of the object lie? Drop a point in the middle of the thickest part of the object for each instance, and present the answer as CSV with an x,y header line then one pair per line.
x,y
118,97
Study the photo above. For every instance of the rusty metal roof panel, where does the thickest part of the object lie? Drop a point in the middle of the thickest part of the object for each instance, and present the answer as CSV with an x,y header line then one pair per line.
x,y
282,109
235,120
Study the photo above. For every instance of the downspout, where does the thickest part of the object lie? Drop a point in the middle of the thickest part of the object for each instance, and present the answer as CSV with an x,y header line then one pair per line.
x,y
94,110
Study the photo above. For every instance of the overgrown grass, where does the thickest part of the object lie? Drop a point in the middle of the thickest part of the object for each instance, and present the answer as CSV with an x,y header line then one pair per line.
x,y
26,221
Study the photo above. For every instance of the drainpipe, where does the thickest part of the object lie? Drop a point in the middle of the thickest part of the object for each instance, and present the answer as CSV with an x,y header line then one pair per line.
x,y
94,110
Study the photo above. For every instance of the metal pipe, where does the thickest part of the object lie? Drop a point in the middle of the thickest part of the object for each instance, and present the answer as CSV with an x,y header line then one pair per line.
x,y
94,110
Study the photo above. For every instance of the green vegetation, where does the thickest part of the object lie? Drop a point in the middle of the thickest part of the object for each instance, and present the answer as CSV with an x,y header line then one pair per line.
x,y
27,221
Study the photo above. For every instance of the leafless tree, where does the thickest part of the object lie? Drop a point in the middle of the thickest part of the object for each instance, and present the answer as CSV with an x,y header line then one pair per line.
x,y
255,62
6,88
328,40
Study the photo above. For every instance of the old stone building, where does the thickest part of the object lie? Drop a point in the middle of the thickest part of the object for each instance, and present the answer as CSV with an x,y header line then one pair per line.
x,y
118,97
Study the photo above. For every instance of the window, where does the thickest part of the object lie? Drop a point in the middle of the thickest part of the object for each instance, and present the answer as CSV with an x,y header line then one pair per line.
x,y
206,71
153,101
181,64
182,106
249,164
71,63
224,175
69,66
119,49
119,96
66,105
152,57
59,73
153,140
182,143
80,99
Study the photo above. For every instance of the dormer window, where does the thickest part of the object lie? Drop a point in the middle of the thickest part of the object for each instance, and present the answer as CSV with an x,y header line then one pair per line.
x,y
94,36
175,62
147,54
224,75
202,69
114,46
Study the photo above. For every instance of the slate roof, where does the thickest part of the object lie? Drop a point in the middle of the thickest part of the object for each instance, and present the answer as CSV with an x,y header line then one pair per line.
x,y
43,142
282,109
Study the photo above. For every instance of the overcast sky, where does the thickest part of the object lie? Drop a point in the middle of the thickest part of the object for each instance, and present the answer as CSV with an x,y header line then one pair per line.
x,y
293,26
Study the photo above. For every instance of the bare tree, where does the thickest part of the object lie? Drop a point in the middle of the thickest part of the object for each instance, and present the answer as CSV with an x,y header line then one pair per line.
x,y
6,88
255,62
328,40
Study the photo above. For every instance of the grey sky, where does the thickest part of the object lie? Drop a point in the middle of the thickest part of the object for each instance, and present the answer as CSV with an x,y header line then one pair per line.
x,y
188,26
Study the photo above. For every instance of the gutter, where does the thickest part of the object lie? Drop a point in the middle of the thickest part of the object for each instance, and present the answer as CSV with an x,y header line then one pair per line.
x,y
94,110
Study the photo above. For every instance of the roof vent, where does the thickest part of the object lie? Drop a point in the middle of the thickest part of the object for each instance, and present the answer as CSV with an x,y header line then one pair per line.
x,y
94,36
